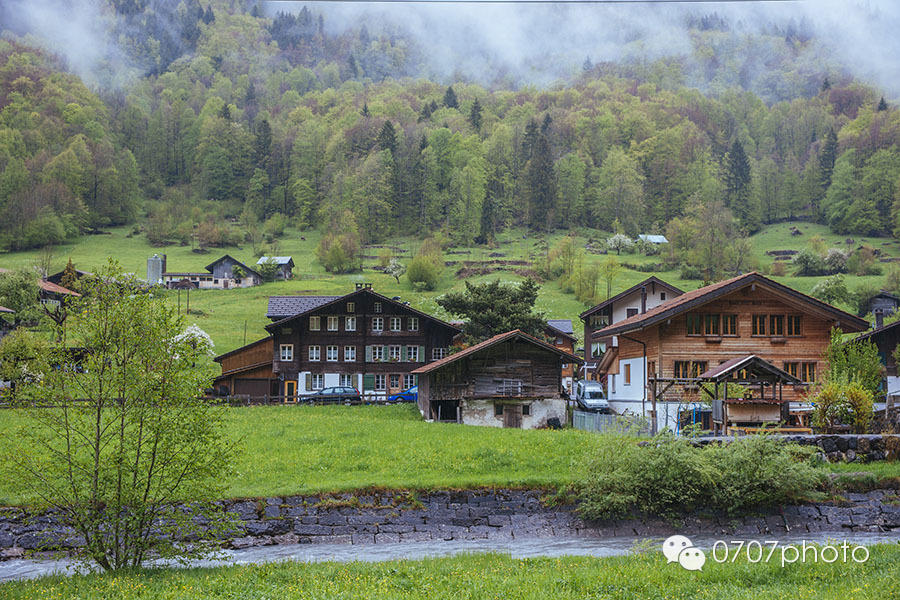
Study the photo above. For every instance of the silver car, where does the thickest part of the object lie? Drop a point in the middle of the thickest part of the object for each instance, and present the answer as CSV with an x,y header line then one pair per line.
x,y
590,396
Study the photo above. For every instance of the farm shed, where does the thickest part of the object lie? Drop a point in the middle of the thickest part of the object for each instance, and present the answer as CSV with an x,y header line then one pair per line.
x,y
509,380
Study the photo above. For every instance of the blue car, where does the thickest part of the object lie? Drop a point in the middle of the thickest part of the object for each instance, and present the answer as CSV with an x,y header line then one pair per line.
x,y
410,395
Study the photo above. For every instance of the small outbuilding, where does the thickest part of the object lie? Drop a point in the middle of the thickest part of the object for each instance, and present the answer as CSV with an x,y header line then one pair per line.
x,y
285,265
653,239
509,380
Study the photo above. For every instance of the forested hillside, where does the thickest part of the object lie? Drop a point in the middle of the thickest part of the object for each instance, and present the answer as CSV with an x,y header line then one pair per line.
x,y
239,118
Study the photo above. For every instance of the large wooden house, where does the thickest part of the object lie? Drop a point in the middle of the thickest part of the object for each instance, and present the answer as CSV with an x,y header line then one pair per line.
x,y
362,339
509,380
654,361
637,299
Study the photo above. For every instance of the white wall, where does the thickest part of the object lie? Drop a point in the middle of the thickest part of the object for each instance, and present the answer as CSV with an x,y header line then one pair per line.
x,y
481,412
633,300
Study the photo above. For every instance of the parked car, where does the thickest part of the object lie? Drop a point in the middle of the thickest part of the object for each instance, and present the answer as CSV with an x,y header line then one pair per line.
x,y
337,394
410,395
590,396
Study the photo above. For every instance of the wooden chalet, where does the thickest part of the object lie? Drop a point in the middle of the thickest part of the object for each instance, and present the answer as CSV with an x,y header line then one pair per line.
x,y
509,380
887,338
361,339
637,299
654,360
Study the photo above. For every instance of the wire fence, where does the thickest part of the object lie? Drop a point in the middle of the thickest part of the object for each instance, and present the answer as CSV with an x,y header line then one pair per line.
x,y
603,423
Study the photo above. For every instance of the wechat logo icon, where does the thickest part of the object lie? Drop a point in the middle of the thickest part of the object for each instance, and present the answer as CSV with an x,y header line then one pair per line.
x,y
680,549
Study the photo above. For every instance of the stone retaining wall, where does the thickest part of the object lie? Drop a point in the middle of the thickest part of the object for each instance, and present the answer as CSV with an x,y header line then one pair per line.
x,y
836,448
467,515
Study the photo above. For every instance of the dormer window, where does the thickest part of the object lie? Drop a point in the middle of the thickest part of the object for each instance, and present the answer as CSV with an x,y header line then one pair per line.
x,y
351,307
377,307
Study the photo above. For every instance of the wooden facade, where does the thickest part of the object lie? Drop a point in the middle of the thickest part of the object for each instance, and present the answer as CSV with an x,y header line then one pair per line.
x,y
248,371
363,339
510,380
746,315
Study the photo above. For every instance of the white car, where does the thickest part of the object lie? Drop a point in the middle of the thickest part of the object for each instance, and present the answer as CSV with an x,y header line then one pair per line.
x,y
590,396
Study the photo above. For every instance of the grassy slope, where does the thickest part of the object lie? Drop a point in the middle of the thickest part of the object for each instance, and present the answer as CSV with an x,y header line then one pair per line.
x,y
645,576
224,313
290,450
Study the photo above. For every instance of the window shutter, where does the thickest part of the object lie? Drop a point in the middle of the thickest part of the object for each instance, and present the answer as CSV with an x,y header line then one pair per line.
x,y
416,379
368,381
308,382
403,355
368,353
422,354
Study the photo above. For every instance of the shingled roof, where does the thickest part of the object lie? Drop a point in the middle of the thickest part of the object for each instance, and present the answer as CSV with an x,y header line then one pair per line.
x,y
497,339
282,307
701,296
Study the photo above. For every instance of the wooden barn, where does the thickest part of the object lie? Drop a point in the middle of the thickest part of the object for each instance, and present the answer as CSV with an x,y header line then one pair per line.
x,y
509,380
248,371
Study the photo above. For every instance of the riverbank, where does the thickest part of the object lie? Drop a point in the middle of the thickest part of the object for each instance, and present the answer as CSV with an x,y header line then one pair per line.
x,y
504,514
644,575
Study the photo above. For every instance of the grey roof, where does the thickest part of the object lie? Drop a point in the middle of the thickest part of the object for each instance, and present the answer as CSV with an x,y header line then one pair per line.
x,y
564,325
211,265
654,239
278,260
281,307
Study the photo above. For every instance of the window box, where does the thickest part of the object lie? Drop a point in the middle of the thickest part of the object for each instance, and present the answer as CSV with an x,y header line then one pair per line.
x,y
778,340
713,339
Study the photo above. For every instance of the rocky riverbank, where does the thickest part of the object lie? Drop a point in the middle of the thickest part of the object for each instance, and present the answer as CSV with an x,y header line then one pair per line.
x,y
392,517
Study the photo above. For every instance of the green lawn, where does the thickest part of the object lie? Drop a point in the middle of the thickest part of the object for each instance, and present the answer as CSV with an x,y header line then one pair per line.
x,y
486,576
225,313
302,449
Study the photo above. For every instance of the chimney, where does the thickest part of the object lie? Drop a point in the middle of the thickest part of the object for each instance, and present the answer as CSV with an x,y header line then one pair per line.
x,y
879,318
359,286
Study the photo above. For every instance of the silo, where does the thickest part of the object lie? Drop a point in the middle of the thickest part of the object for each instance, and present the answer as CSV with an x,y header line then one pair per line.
x,y
154,269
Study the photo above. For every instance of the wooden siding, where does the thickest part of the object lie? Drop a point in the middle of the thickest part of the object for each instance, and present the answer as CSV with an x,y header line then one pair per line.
x,y
669,342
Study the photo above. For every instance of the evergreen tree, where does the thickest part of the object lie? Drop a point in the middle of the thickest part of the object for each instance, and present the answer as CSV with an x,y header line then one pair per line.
x,y
475,115
826,162
208,15
387,138
262,146
826,85
450,100
365,110
541,183
225,112
882,105
737,186
587,65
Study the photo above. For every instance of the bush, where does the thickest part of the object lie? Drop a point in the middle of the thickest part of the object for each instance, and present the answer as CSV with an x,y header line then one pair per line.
x,y
831,290
691,272
669,476
809,264
275,225
836,261
423,273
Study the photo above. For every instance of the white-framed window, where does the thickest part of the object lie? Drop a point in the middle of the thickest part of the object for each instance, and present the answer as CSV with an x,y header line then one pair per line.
x,y
332,323
349,353
394,381
412,353
315,353
377,307
408,381
287,352
379,382
351,307
350,324
318,381
377,353
331,353
438,353
394,353
414,323
377,323
347,380
396,324
315,323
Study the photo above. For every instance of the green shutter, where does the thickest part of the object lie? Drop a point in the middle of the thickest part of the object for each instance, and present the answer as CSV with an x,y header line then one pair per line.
x,y
308,382
415,380
403,354
422,354
368,381
368,354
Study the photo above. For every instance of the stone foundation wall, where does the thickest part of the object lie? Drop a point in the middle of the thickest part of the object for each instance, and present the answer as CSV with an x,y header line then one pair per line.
x,y
466,515
837,448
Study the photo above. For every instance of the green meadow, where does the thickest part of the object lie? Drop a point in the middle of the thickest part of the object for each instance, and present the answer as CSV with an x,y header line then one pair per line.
x,y
643,576
234,316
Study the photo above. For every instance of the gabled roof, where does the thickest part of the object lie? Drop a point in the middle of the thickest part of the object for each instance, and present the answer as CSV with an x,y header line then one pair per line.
x,y
49,286
650,280
654,239
365,290
876,332
281,307
561,327
221,357
278,260
703,295
211,265
751,362
497,339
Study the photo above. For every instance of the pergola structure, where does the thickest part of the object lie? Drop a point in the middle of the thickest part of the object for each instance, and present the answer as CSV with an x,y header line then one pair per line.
x,y
748,371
